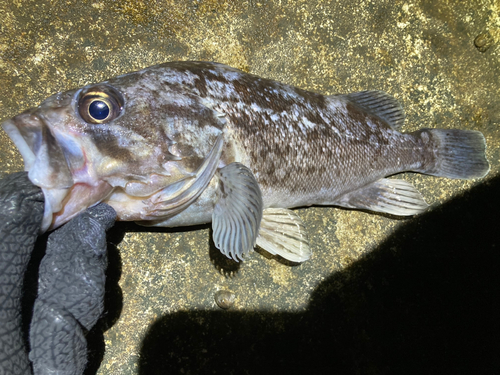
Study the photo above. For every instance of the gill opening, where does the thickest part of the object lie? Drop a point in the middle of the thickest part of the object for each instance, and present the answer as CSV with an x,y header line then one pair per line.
x,y
181,194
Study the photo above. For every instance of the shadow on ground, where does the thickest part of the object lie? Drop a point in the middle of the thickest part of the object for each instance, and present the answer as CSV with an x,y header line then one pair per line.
x,y
425,302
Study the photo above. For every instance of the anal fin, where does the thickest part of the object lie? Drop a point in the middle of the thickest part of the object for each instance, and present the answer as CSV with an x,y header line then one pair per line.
x,y
283,233
391,196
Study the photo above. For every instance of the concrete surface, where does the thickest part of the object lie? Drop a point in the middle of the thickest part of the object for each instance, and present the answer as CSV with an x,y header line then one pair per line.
x,y
380,294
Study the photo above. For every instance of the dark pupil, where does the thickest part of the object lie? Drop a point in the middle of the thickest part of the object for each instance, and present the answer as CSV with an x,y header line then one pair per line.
x,y
98,110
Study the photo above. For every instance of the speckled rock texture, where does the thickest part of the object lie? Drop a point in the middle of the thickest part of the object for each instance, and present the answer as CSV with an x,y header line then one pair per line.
x,y
380,295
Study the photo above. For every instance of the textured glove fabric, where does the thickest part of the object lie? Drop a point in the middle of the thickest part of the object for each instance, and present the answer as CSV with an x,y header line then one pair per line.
x,y
70,292
21,212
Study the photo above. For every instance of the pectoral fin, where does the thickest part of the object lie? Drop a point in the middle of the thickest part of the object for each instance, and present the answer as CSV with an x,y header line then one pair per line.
x,y
283,233
238,212
391,196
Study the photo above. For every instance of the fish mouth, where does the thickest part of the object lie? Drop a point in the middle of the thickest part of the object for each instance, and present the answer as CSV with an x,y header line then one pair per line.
x,y
53,162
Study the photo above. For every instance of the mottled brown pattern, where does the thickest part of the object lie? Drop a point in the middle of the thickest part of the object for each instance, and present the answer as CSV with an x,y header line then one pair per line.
x,y
303,148
106,140
297,160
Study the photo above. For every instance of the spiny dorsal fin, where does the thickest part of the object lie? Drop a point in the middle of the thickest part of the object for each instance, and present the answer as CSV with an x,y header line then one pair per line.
x,y
391,196
282,232
238,212
381,104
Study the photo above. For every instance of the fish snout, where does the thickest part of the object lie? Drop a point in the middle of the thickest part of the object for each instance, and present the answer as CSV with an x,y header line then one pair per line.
x,y
43,156
44,159
24,131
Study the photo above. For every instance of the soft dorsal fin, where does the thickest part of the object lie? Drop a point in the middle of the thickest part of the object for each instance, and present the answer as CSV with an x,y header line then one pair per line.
x,y
381,104
238,211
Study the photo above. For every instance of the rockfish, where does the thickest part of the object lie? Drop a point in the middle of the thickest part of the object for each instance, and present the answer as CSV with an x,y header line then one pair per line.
x,y
186,143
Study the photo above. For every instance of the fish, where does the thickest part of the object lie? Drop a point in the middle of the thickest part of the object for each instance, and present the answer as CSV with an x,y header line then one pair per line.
x,y
186,143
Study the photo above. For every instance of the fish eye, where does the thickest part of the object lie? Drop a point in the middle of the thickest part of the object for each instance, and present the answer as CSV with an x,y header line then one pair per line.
x,y
99,110
100,104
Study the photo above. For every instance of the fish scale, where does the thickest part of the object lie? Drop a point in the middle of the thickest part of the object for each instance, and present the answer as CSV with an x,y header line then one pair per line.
x,y
186,143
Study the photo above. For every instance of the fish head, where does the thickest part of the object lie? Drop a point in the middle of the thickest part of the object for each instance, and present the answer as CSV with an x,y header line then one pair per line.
x,y
82,146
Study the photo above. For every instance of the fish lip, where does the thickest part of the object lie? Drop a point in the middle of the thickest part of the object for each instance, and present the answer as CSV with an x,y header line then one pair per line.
x,y
44,156
34,124
19,141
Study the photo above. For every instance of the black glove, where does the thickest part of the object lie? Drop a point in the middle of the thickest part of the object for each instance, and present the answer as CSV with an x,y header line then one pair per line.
x,y
70,283
21,213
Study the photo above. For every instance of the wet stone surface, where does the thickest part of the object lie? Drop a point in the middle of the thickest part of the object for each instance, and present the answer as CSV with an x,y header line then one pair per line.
x,y
380,294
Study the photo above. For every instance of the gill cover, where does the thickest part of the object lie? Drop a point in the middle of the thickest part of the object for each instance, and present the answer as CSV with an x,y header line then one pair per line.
x,y
179,195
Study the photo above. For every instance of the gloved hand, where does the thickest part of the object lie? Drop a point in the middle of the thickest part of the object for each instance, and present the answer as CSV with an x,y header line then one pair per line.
x,y
21,212
70,283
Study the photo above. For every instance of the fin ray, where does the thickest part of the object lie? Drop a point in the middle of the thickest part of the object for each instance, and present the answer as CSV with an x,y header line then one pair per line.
x,y
238,212
283,233
381,104
391,196
460,154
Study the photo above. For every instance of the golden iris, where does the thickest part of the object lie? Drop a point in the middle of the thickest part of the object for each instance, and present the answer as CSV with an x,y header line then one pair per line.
x,y
100,104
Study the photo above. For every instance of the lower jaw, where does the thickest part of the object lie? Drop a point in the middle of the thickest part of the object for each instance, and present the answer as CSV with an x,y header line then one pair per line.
x,y
78,199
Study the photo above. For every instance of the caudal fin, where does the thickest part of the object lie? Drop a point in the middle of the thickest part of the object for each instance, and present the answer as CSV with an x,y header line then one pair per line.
x,y
460,154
